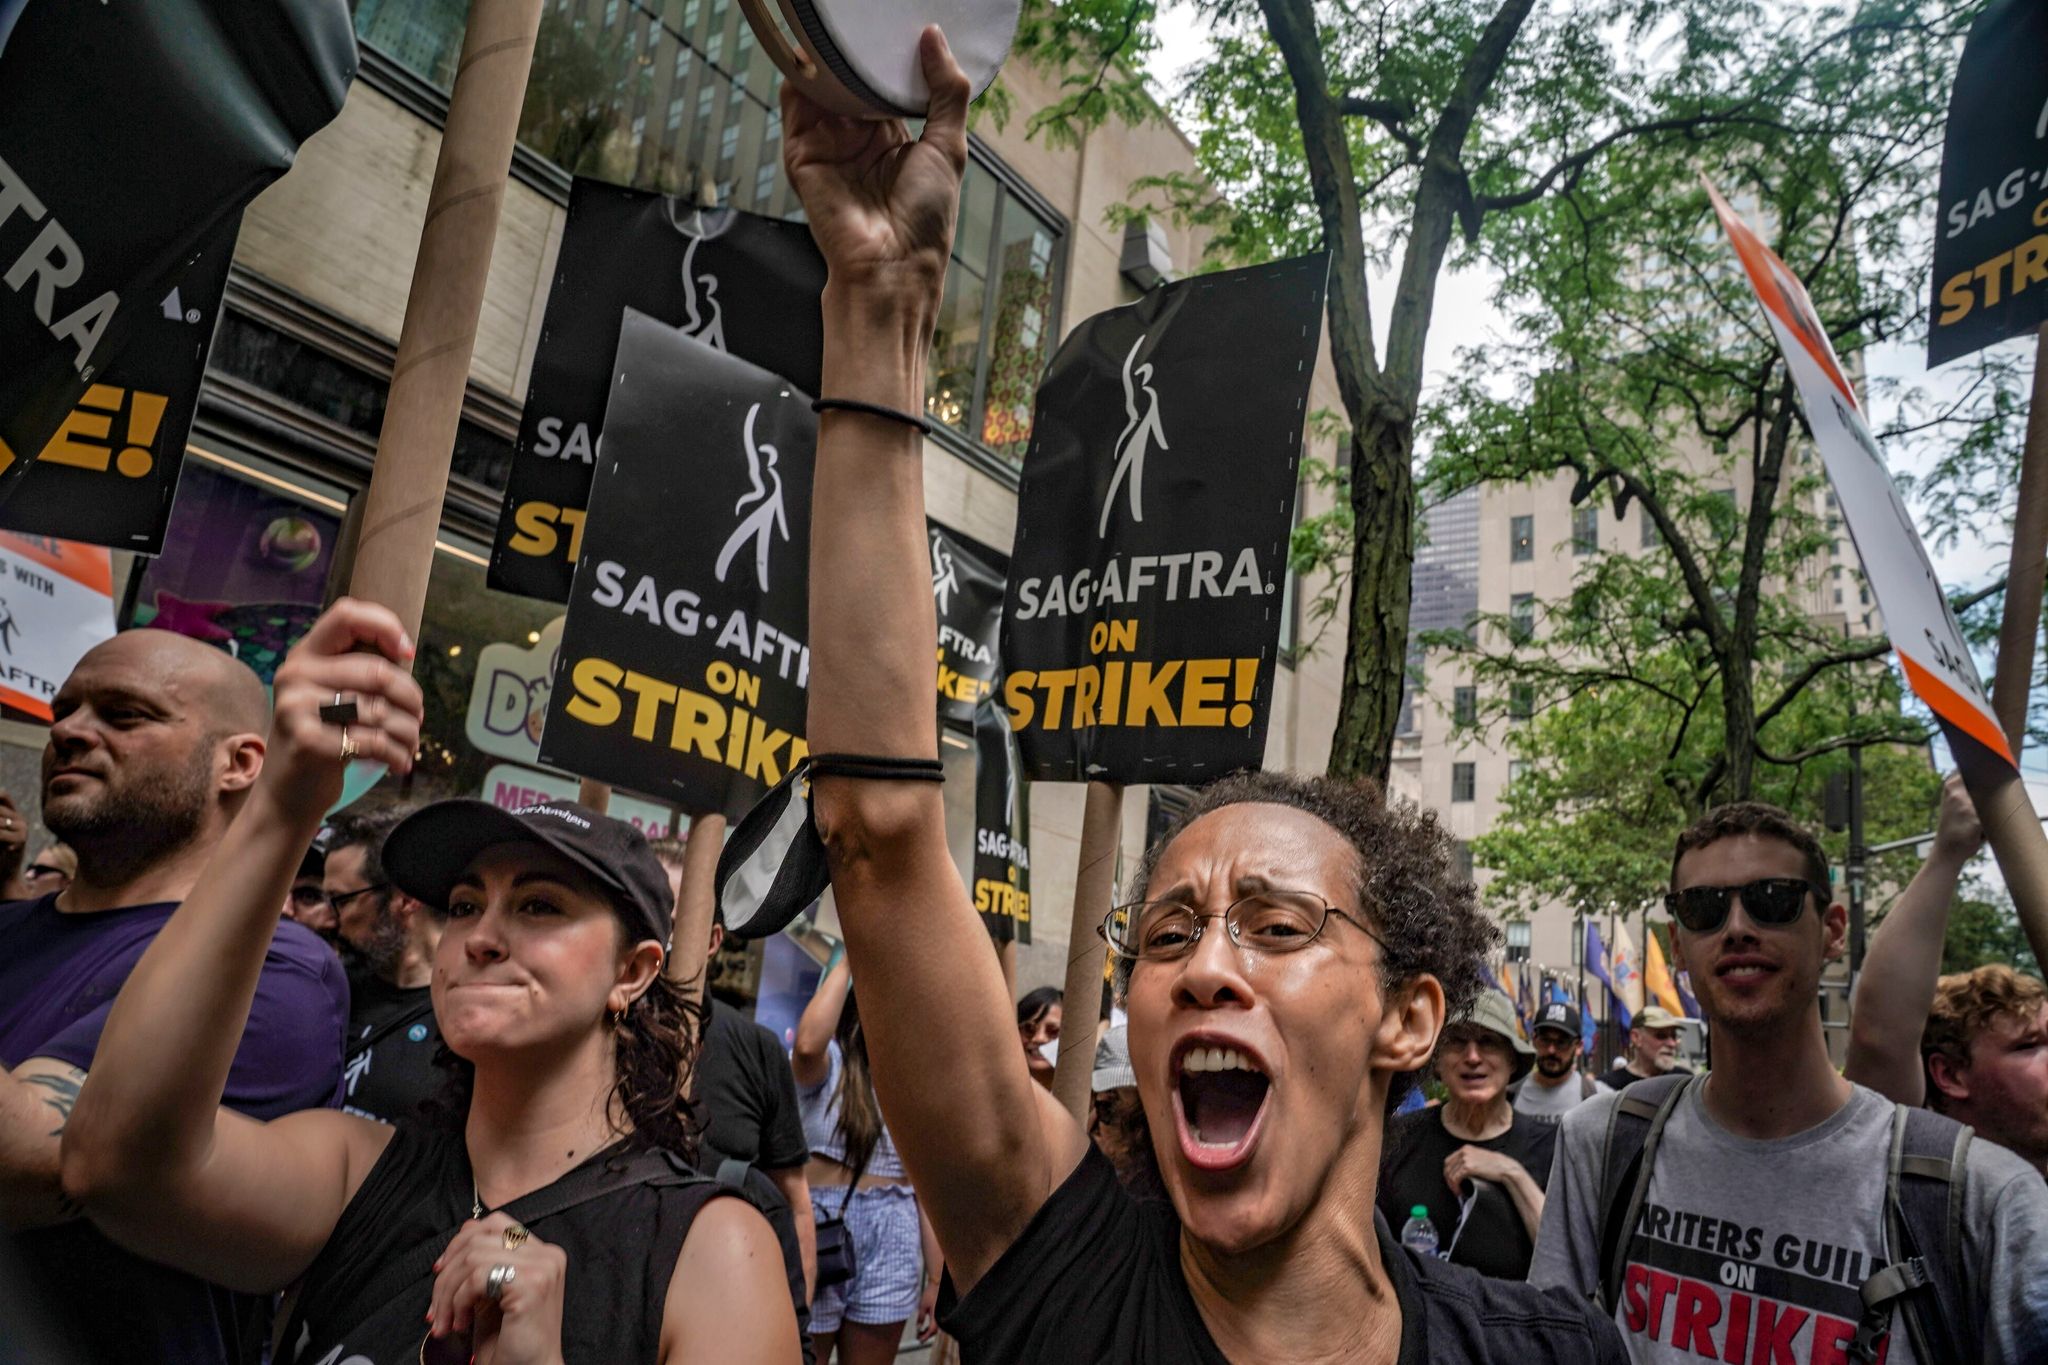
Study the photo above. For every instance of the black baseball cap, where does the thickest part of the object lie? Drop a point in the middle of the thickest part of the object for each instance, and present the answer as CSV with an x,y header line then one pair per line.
x,y
1558,1015
431,849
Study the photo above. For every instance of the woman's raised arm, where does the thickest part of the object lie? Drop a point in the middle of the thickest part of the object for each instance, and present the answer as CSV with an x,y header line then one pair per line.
x,y
149,1152
983,1144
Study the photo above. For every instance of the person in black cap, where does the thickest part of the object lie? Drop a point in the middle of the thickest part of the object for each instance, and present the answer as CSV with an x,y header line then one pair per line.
x,y
563,1143
1556,1085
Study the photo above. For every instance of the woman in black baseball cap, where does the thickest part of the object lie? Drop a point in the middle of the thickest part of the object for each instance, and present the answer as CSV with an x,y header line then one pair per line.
x,y
564,1143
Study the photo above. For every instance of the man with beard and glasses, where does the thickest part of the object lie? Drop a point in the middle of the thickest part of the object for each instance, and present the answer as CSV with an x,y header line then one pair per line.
x,y
1772,1210
307,904
156,741
1652,1049
1556,1086
388,940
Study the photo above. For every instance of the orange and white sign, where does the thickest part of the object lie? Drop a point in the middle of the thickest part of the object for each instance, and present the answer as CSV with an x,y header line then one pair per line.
x,y
1916,611
56,602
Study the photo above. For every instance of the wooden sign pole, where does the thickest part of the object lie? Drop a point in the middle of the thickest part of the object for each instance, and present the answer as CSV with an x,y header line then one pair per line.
x,y
1094,889
688,958
402,509
2023,580
2014,832
594,794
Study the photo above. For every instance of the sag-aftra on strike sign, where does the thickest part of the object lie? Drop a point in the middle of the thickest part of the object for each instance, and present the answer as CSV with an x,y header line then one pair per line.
x,y
1142,623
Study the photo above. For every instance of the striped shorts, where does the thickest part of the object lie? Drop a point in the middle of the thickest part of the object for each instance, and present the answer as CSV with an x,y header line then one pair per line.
x,y
888,1256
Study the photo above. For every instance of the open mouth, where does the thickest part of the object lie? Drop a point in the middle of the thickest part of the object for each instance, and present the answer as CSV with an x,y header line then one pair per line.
x,y
1744,971
1220,1095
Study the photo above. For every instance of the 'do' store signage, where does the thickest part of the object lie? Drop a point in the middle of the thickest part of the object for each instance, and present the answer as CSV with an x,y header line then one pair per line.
x,y
683,664
734,281
128,133
1142,622
1991,234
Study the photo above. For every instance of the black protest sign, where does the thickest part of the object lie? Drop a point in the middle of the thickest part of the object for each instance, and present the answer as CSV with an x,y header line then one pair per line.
x,y
109,474
128,134
683,665
1142,623
739,283
1991,235
967,592
1002,827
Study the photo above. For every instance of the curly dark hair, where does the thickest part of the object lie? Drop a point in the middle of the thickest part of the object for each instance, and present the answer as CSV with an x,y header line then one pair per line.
x,y
658,1047
1752,817
1427,918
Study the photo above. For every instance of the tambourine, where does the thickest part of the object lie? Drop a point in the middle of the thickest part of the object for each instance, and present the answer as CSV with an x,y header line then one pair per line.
x,y
859,57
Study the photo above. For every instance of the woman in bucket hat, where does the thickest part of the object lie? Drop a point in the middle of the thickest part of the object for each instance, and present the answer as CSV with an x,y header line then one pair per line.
x,y
1473,1164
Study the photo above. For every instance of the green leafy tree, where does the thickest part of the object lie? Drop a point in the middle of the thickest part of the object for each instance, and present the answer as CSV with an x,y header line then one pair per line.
x,y
1394,134
1638,367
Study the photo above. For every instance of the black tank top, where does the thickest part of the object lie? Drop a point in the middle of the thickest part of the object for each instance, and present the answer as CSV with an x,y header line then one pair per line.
x,y
622,1248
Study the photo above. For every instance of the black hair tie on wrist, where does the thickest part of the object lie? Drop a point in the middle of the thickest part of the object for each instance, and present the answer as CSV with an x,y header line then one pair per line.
x,y
877,769
825,405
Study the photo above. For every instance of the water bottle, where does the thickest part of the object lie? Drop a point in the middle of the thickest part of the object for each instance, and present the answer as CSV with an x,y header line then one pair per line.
x,y
1418,1233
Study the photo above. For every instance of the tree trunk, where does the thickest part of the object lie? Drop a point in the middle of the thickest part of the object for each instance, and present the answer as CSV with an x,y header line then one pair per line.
x,y
1382,558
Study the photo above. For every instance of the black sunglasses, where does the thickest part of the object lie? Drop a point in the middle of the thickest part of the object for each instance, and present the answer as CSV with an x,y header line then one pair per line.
x,y
1772,901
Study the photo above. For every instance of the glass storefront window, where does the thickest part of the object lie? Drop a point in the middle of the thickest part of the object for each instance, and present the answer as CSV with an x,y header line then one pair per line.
x,y
245,566
313,381
677,97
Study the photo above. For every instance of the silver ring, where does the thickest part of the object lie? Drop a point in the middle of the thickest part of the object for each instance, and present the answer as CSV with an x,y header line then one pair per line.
x,y
495,1282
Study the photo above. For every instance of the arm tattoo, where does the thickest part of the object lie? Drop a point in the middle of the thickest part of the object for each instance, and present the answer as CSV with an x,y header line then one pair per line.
x,y
63,1094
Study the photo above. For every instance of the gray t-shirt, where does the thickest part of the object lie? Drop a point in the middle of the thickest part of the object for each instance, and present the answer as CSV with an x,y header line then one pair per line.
x,y
1754,1251
1552,1102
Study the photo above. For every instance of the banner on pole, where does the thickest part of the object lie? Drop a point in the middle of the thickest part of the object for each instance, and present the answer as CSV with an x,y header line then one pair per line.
x,y
967,591
56,602
1142,622
1991,234
1002,828
683,668
737,282
109,474
1916,612
128,134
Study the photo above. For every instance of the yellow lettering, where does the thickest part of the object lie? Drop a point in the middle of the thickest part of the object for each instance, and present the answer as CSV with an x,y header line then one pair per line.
x,y
1957,299
1201,698
1148,694
1087,687
1055,682
698,722
1988,272
2030,263
536,523
596,701
653,694
1017,698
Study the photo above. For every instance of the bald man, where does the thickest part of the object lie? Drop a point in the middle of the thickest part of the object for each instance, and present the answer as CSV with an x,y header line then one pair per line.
x,y
156,741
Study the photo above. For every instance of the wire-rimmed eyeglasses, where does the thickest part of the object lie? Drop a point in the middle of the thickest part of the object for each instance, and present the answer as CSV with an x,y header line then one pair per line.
x,y
1270,921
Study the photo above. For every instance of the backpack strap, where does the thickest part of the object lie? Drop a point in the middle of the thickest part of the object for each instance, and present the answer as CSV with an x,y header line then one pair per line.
x,y
1634,1128
1588,1087
1925,1187
732,1173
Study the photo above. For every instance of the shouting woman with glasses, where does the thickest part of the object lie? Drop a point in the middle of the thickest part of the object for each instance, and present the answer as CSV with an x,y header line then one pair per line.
x,y
1289,955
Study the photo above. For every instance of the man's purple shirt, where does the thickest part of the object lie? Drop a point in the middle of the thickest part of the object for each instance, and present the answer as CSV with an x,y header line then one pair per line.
x,y
59,975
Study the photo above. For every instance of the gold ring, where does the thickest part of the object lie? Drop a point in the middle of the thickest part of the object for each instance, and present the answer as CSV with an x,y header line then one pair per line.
x,y
348,746
515,1237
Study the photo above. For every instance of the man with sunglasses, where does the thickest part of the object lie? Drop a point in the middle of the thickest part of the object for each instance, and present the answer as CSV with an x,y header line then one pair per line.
x,y
388,939
1743,1215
